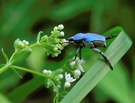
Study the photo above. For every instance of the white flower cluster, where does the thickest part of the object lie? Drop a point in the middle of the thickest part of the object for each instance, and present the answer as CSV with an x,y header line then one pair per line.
x,y
47,72
77,71
18,44
57,29
54,44
56,33
77,65
23,43
53,81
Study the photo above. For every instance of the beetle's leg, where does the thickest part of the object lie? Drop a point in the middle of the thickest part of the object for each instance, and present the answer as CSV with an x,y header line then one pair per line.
x,y
78,51
103,55
80,54
110,37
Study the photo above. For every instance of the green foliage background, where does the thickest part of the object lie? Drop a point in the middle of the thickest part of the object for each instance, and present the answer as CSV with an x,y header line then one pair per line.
x,y
25,18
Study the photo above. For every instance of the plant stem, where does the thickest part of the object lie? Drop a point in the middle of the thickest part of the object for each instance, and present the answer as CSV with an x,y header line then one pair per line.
x,y
29,70
34,45
5,67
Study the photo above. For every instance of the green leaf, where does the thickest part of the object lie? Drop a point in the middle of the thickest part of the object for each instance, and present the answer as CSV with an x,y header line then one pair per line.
x,y
4,54
17,72
20,55
91,78
39,35
3,99
28,87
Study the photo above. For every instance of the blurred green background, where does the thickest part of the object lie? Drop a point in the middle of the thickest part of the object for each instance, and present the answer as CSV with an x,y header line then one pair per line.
x,y
25,18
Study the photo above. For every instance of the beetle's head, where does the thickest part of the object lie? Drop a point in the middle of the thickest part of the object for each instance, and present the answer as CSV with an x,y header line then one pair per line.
x,y
76,39
70,40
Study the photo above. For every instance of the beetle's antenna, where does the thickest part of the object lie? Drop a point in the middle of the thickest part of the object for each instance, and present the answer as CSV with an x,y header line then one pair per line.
x,y
65,42
110,37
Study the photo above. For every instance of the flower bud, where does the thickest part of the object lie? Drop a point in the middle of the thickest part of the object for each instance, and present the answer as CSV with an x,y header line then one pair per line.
x,y
67,84
26,43
45,71
62,33
72,63
55,54
77,72
60,27
55,90
18,44
55,28
55,49
61,76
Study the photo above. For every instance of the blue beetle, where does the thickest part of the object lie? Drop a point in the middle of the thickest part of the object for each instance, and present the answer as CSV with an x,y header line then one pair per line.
x,y
90,40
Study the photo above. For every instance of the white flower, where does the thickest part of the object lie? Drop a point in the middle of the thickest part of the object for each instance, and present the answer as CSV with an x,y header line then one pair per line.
x,y
61,76
47,72
61,26
80,68
77,64
72,63
69,78
80,62
59,46
77,73
62,33
26,43
59,52
21,44
67,84
55,49
55,28
55,54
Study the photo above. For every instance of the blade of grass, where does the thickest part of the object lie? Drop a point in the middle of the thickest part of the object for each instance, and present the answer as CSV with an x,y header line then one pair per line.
x,y
24,90
114,53
3,99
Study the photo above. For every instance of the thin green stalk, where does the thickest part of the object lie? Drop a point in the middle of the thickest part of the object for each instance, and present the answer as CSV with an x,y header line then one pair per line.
x,y
5,67
28,70
34,45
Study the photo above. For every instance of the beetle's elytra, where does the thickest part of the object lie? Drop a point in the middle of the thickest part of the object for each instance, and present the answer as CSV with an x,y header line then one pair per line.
x,y
92,41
